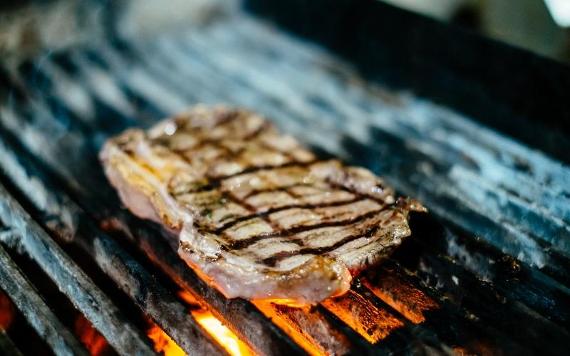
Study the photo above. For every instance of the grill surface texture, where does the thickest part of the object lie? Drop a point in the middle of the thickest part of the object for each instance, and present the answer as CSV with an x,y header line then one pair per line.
x,y
486,271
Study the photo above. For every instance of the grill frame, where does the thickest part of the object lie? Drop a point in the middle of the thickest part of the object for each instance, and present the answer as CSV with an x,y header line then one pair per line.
x,y
89,210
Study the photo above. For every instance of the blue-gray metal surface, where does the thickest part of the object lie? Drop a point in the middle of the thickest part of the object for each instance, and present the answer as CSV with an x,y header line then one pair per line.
x,y
497,255
38,313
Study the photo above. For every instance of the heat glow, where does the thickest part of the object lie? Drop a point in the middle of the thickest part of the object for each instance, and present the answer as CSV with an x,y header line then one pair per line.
x,y
411,302
289,327
163,343
6,311
362,316
216,329
94,342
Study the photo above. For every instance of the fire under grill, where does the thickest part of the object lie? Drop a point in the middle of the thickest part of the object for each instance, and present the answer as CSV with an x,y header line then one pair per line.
x,y
486,272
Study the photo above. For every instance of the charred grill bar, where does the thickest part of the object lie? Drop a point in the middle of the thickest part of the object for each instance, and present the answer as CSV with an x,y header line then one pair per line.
x,y
486,271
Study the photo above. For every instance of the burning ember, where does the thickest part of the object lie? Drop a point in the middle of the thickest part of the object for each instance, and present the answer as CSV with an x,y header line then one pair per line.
x,y
217,330
405,298
163,343
93,341
224,336
279,315
212,325
372,323
6,311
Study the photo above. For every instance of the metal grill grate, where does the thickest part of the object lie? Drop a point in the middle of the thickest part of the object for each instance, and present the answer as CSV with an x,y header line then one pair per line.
x,y
486,272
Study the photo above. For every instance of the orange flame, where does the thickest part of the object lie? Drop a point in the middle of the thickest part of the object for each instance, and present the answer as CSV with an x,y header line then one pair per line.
x,y
224,336
6,311
93,341
163,343
189,299
405,298
374,324
215,328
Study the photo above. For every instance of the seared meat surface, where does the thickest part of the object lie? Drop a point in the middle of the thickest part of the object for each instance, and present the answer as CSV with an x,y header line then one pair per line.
x,y
257,214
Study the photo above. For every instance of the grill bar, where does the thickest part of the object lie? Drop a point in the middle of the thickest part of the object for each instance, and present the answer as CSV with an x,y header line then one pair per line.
x,y
38,314
486,303
83,293
309,328
66,220
512,279
447,323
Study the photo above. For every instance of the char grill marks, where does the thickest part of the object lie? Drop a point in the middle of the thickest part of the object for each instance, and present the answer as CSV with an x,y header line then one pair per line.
x,y
247,184
290,232
216,151
268,212
254,206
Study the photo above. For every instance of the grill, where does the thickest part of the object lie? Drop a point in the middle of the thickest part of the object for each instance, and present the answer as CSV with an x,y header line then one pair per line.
x,y
486,272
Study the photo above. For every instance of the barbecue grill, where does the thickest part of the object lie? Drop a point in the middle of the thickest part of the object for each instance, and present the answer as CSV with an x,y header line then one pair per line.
x,y
477,130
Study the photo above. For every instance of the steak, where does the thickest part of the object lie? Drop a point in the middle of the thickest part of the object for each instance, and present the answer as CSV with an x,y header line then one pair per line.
x,y
257,215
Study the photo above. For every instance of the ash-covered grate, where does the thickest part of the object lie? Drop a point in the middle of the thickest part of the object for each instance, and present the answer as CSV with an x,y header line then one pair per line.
x,y
485,272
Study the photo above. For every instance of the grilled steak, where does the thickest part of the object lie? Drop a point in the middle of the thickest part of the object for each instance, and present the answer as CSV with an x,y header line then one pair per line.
x,y
257,215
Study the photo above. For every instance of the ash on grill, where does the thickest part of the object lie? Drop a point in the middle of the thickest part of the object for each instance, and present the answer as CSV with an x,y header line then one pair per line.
x,y
485,273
